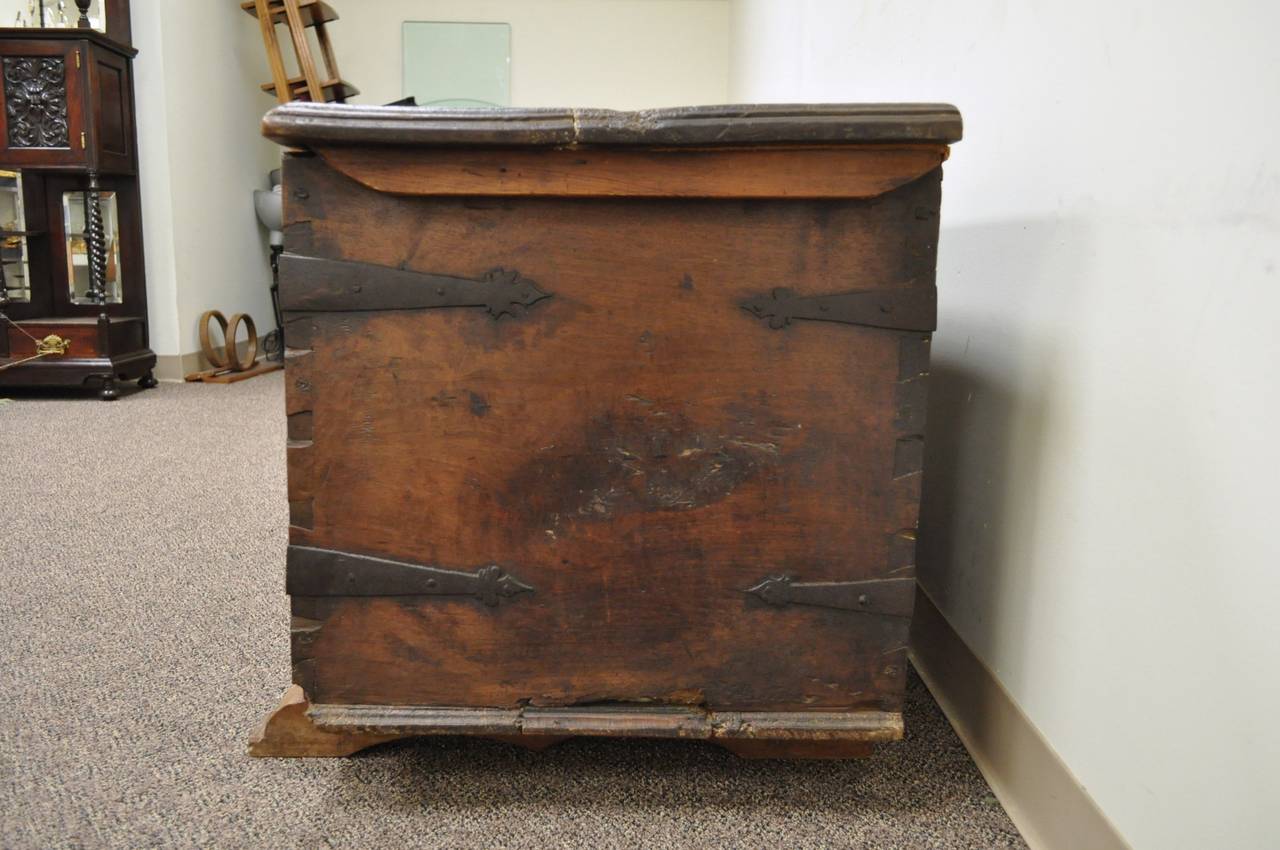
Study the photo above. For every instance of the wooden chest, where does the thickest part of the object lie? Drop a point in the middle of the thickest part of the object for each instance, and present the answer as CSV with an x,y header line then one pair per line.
x,y
605,423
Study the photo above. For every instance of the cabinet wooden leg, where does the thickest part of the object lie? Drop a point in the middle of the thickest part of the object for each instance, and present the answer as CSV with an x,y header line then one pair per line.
x,y
148,381
749,748
108,391
289,733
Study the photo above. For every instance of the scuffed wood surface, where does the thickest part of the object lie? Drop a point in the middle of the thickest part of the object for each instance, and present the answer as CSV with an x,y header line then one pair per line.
x,y
637,721
289,733
638,448
314,124
864,171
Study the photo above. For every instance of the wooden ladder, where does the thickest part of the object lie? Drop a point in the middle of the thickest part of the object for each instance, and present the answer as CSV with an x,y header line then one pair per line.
x,y
298,16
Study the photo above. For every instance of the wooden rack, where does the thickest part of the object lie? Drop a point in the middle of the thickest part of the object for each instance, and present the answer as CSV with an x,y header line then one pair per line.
x,y
298,16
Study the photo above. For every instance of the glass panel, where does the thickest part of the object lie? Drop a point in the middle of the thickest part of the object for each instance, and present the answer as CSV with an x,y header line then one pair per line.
x,y
457,64
14,274
57,13
78,249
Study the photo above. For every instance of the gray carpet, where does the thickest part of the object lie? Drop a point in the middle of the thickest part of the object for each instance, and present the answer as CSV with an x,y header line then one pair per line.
x,y
143,633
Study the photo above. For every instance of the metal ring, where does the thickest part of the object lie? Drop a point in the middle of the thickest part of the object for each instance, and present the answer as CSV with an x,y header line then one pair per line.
x,y
233,356
213,355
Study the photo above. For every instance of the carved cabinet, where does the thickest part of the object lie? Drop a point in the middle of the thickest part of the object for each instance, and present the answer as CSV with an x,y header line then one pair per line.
x,y
72,282
605,423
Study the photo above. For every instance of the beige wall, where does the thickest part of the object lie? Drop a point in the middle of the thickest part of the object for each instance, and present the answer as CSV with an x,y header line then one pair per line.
x,y
1099,511
624,54
198,72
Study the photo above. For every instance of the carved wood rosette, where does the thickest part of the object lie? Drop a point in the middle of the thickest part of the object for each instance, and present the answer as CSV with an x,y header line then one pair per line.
x,y
35,94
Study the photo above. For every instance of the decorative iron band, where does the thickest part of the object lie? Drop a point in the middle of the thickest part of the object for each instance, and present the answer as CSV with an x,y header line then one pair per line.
x,y
907,308
892,597
312,283
325,572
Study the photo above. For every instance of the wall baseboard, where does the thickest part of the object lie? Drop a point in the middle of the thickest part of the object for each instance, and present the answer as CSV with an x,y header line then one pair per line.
x,y
176,367
1044,800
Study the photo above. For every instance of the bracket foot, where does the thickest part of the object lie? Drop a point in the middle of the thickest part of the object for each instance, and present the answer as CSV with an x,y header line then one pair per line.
x,y
289,733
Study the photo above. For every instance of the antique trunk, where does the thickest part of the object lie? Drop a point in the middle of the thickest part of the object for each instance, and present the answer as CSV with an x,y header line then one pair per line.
x,y
605,423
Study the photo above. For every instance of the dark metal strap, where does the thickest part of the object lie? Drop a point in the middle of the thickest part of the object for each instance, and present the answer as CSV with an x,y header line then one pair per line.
x,y
907,308
891,597
325,572
312,283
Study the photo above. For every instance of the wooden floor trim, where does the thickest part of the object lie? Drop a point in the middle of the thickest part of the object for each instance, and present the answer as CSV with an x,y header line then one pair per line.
x,y
175,367
612,721
1044,799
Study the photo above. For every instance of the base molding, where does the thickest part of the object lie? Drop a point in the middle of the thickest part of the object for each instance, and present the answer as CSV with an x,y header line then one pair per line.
x,y
613,722
175,367
1043,798
299,728
288,732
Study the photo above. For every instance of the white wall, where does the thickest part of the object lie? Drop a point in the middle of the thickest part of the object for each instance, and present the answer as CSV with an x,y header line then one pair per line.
x,y
1099,512
199,106
202,153
622,54
164,319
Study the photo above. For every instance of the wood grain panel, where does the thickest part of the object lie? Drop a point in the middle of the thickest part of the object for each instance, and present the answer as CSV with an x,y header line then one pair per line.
x,y
865,171
639,449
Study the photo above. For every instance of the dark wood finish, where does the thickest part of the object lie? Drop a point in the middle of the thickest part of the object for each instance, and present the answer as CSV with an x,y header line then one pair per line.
x,y
94,93
711,517
119,21
866,171
103,351
95,96
86,340
316,125
132,260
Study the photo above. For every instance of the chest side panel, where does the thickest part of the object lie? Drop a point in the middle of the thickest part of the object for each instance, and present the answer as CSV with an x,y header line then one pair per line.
x,y
637,448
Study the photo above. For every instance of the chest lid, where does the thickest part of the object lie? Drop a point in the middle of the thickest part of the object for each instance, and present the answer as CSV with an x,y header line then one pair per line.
x,y
326,125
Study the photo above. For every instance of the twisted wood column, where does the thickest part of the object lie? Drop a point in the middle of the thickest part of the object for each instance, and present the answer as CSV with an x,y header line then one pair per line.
x,y
95,241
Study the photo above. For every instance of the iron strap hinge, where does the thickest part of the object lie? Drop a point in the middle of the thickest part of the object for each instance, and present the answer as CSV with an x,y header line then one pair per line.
x,y
891,597
325,572
316,284
905,308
